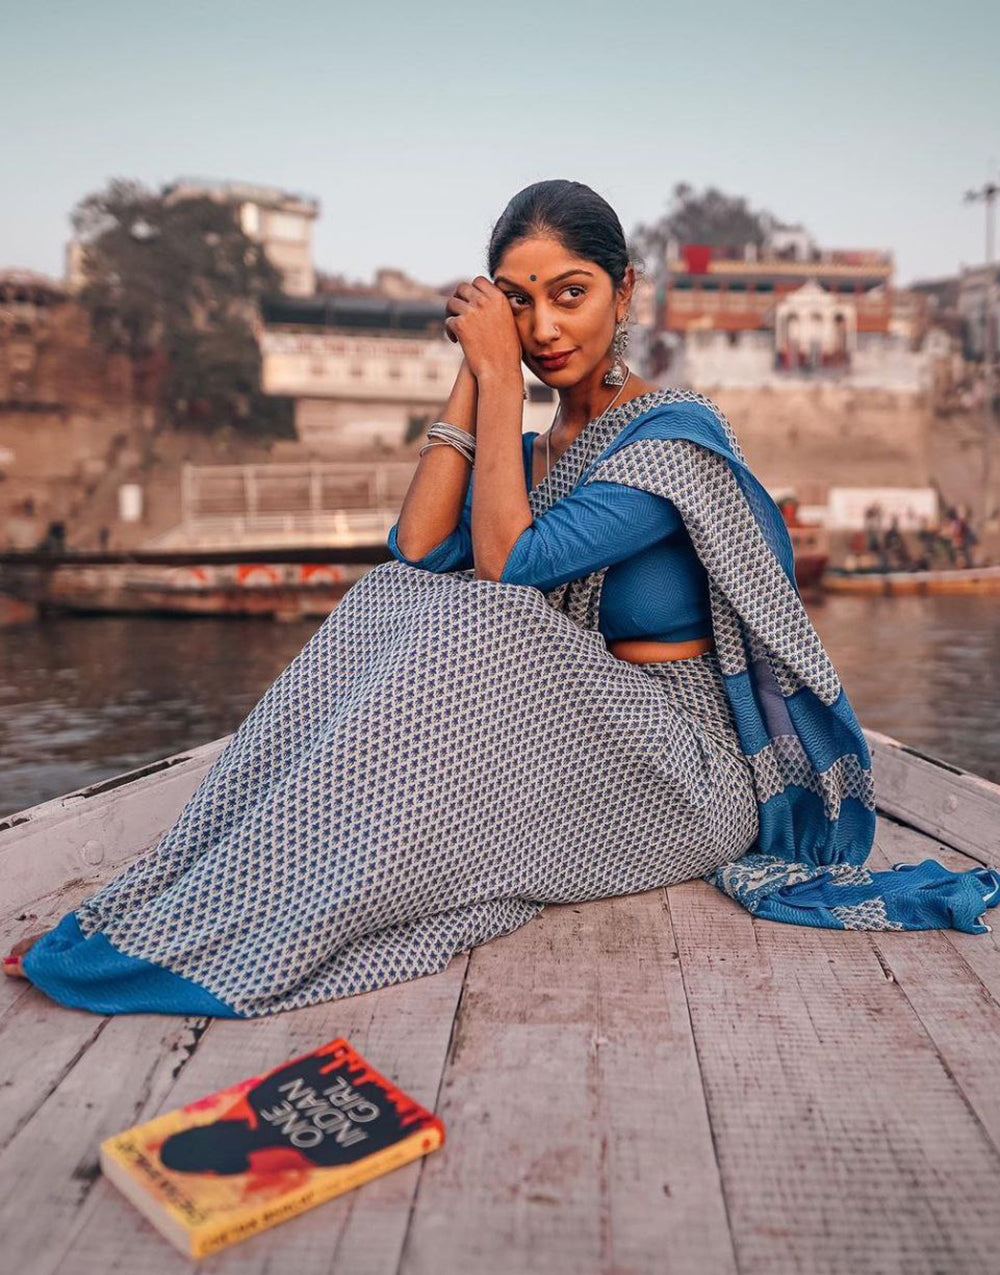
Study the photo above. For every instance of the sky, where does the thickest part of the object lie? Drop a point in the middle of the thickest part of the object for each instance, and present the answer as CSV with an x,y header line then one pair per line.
x,y
413,125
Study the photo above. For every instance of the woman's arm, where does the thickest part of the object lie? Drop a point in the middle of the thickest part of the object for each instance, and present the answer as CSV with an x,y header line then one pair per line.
x,y
480,317
597,525
430,510
500,509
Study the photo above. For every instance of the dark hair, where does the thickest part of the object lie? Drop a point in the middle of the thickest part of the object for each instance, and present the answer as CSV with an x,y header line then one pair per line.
x,y
570,212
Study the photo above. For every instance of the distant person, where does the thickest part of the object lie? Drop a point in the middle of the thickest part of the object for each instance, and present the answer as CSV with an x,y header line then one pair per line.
x,y
54,540
103,536
927,539
895,546
873,534
963,536
948,534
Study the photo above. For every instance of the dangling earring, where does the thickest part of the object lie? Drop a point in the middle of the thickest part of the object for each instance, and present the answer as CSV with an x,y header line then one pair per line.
x,y
617,372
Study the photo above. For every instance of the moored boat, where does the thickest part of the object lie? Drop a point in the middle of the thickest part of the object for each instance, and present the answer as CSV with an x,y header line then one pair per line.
x,y
946,580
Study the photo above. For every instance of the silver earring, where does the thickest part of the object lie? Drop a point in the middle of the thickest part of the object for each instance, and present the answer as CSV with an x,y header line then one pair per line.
x,y
617,372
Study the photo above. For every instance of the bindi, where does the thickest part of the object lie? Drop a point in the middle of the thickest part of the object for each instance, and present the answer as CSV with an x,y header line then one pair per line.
x,y
532,277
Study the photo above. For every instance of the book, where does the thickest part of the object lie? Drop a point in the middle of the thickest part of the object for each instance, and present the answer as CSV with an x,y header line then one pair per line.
x,y
241,1160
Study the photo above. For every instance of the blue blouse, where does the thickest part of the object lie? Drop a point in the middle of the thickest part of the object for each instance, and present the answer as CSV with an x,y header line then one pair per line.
x,y
655,588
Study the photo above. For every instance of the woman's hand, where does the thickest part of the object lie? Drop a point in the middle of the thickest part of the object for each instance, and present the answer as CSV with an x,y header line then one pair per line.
x,y
481,319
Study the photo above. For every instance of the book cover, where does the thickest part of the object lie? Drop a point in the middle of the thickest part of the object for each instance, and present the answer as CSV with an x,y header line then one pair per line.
x,y
238,1161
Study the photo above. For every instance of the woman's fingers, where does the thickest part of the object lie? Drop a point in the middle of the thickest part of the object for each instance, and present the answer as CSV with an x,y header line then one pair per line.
x,y
455,307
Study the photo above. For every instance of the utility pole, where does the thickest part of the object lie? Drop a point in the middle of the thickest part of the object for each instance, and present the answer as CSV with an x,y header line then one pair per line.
x,y
988,193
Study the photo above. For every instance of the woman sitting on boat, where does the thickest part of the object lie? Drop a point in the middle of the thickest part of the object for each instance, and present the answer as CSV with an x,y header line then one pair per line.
x,y
586,671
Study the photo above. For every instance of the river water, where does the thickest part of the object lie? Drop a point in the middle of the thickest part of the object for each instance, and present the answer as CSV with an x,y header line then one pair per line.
x,y
82,699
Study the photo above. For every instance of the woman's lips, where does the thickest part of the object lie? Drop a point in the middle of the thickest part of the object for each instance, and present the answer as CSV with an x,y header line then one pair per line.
x,y
553,364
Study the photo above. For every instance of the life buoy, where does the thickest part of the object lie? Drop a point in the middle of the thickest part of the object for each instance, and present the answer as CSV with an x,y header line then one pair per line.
x,y
320,573
257,573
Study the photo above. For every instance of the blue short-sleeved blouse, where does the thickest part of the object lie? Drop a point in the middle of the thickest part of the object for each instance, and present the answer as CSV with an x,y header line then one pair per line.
x,y
655,588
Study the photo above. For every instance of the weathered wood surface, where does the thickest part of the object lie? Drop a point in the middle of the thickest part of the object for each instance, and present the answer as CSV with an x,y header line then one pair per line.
x,y
654,1083
937,797
84,834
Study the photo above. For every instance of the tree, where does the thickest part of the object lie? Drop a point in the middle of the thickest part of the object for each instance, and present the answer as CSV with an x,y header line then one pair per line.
x,y
710,218
175,284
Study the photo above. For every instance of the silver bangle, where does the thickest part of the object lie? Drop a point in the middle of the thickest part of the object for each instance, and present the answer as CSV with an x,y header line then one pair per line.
x,y
448,442
445,429
445,432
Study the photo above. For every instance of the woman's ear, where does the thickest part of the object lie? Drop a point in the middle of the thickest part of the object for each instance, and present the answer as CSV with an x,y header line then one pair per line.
x,y
626,287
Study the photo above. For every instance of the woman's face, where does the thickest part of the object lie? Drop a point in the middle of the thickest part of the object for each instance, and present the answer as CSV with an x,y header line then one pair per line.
x,y
560,303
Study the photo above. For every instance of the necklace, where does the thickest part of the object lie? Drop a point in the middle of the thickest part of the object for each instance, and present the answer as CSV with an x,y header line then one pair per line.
x,y
548,435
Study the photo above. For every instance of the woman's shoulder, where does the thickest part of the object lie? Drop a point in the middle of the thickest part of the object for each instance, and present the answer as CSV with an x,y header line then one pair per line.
x,y
677,394
668,409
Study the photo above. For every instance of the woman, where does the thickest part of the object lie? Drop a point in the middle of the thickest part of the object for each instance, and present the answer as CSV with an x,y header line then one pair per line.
x,y
586,672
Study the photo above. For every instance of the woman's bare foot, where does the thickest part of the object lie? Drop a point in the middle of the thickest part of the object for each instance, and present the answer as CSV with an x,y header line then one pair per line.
x,y
12,962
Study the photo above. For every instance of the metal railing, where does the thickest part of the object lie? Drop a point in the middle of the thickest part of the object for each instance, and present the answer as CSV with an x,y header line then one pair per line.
x,y
343,503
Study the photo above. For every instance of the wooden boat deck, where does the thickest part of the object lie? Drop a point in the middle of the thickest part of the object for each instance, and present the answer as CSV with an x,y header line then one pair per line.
x,y
652,1083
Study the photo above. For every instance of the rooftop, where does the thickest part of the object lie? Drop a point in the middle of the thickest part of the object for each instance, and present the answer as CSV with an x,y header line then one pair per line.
x,y
240,192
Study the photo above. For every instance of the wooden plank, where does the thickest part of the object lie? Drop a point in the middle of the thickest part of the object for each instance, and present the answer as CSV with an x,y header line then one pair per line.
x,y
981,952
143,1064
936,971
573,1100
843,1140
80,836
127,1065
39,1041
945,801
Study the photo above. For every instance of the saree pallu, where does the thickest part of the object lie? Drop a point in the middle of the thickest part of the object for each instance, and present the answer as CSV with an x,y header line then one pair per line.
x,y
446,755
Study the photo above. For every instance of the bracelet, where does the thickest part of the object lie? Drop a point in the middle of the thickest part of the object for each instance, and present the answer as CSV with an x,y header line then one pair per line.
x,y
445,432
443,442
445,429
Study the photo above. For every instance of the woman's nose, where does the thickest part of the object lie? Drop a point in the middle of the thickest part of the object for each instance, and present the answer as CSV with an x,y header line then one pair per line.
x,y
546,328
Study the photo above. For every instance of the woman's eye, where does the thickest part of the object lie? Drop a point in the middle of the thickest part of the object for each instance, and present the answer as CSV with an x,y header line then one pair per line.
x,y
574,288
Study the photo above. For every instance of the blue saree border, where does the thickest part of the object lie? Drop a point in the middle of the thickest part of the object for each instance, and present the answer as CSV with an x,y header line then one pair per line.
x,y
91,973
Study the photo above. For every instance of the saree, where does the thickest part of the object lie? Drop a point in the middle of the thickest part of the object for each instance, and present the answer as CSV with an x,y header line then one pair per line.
x,y
446,755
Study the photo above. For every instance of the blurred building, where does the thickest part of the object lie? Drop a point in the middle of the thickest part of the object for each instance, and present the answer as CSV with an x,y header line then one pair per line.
x,y
786,312
280,221
29,306
368,370
65,408
974,303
